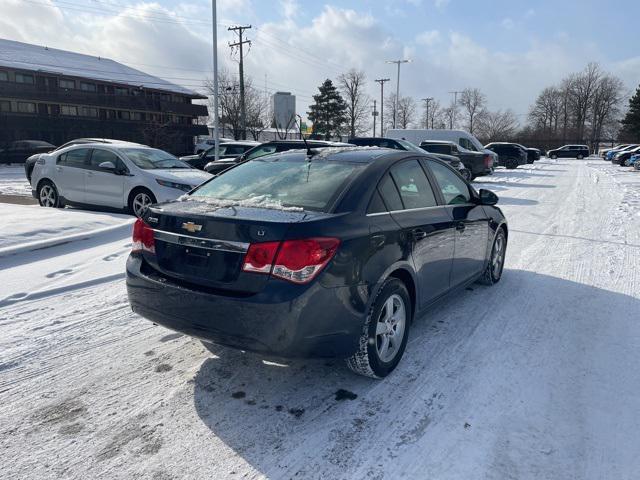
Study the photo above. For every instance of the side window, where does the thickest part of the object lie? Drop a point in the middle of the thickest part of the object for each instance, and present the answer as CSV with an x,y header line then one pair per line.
x,y
389,194
266,150
413,184
100,156
76,158
376,205
454,190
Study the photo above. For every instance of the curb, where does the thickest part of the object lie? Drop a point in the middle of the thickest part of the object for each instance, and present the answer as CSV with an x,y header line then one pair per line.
x,y
52,242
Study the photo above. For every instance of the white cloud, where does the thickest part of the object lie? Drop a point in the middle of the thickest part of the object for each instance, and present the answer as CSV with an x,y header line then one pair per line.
x,y
440,4
508,24
429,37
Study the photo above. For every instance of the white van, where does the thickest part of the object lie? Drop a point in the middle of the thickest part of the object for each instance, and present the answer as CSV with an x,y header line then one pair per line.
x,y
462,138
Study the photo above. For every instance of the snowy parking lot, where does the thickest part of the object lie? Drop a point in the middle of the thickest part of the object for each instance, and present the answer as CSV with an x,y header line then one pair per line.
x,y
536,377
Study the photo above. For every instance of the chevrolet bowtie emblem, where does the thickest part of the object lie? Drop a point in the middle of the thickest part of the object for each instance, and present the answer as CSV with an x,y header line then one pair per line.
x,y
191,227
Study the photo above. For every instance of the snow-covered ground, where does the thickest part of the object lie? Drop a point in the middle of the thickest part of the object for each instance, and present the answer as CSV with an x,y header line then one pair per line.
x,y
13,180
36,226
536,377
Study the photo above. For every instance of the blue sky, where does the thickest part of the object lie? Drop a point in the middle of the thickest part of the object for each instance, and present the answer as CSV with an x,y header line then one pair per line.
x,y
508,49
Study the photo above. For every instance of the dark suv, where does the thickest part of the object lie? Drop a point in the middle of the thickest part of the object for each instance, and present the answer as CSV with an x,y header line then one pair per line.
x,y
274,146
569,151
510,155
478,163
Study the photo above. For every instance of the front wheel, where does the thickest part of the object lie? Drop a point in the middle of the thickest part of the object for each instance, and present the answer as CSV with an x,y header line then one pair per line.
x,y
554,157
579,157
493,272
385,332
139,201
48,195
511,164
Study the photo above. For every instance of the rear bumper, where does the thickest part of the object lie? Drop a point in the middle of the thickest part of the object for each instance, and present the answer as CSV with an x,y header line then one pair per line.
x,y
284,319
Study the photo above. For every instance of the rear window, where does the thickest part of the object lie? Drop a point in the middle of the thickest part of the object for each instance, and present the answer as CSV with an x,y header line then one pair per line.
x,y
437,148
311,185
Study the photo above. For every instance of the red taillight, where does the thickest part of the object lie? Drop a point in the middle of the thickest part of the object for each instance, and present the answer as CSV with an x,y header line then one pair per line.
x,y
297,261
488,161
142,238
259,257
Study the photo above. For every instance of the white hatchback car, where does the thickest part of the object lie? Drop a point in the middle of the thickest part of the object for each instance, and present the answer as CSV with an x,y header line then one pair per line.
x,y
117,175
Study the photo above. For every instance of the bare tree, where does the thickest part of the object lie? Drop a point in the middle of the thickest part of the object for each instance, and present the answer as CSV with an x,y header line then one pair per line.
x,y
605,107
351,86
497,126
258,115
229,100
473,102
406,114
432,115
450,115
583,86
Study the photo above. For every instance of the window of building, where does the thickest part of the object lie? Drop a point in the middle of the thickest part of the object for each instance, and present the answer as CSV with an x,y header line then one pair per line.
x,y
89,112
5,106
68,110
26,107
66,83
121,91
88,87
4,76
24,78
124,115
136,116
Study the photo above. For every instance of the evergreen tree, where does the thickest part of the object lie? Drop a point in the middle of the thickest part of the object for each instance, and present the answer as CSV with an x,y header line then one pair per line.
x,y
631,122
328,112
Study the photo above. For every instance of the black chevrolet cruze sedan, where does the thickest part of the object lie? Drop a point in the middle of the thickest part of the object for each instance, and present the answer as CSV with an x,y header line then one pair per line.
x,y
323,253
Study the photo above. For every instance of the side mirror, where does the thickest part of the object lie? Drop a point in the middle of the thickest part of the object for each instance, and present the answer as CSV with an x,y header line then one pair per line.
x,y
107,166
487,197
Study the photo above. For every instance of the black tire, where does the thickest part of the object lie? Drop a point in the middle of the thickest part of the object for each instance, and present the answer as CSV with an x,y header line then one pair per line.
x,y
492,274
134,205
554,157
511,164
48,195
367,360
579,157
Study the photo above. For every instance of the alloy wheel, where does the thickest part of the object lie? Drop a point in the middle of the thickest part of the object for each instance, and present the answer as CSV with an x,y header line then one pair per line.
x,y
390,328
47,196
497,258
140,203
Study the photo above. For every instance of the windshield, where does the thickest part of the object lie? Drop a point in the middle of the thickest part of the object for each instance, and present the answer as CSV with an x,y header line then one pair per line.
x,y
280,182
151,158
437,148
410,146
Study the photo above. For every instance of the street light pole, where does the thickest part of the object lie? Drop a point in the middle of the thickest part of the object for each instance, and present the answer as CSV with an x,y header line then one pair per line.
x,y
216,120
395,104
427,101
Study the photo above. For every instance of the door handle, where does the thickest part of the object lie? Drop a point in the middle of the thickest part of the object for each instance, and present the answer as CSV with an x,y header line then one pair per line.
x,y
418,234
460,226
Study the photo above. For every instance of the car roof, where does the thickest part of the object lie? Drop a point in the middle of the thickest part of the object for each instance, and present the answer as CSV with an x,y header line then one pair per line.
x,y
350,154
438,142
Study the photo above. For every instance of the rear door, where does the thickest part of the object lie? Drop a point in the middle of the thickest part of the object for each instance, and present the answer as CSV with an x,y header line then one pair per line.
x,y
470,220
426,226
70,173
104,187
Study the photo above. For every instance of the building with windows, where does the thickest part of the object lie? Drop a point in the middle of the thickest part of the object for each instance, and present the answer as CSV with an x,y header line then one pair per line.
x,y
56,96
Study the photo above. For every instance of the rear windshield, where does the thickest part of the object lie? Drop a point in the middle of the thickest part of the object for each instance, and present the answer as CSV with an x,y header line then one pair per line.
x,y
437,148
310,185
151,158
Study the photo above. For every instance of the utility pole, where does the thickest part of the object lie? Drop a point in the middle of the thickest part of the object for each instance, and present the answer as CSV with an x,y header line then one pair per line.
x,y
216,120
381,81
395,105
455,106
240,43
375,114
427,101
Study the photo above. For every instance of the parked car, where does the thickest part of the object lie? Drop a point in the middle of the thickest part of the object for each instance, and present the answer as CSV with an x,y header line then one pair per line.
x,y
613,152
621,158
206,143
18,152
328,255
510,155
111,175
634,159
603,153
406,146
569,151
31,161
462,138
226,150
267,148
477,163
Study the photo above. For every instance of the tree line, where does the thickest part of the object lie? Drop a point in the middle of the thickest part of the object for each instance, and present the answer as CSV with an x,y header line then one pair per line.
x,y
585,107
